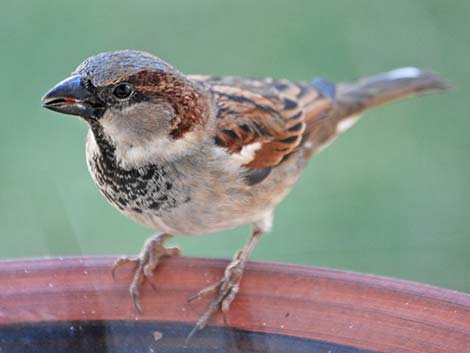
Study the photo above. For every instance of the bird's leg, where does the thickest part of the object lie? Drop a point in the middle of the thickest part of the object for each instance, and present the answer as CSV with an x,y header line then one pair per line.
x,y
227,288
146,262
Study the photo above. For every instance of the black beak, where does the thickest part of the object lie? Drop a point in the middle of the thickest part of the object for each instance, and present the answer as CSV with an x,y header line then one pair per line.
x,y
71,97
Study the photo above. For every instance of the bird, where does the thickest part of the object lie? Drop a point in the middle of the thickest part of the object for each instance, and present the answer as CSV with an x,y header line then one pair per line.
x,y
196,154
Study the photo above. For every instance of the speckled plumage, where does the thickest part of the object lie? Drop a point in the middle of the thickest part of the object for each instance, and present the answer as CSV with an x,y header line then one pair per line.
x,y
197,154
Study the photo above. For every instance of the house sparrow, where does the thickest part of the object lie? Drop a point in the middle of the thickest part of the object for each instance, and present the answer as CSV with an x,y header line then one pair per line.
x,y
186,154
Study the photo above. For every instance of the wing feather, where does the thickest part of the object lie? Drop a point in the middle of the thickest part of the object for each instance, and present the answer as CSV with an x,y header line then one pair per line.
x,y
273,114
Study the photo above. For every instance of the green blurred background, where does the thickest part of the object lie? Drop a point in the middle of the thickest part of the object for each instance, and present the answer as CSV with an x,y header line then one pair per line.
x,y
390,197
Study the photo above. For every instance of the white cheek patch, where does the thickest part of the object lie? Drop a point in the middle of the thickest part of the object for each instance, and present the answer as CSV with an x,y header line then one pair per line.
x,y
156,150
140,135
346,124
137,155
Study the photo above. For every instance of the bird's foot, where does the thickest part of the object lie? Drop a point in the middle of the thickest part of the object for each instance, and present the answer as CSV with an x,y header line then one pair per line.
x,y
146,262
226,290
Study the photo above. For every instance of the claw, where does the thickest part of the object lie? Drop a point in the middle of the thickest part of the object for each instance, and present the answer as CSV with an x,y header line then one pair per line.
x,y
191,334
202,322
227,289
135,300
148,259
153,285
203,292
225,305
122,261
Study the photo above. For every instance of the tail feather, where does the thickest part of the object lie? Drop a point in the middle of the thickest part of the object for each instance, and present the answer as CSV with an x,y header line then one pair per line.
x,y
349,100
353,98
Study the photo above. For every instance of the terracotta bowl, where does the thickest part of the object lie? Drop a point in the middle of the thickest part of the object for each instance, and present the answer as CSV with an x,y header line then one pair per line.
x,y
74,305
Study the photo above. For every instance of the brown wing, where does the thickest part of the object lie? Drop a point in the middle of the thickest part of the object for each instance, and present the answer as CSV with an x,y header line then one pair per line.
x,y
271,113
279,116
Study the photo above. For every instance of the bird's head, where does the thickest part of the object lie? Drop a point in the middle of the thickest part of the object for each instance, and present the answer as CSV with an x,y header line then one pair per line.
x,y
143,106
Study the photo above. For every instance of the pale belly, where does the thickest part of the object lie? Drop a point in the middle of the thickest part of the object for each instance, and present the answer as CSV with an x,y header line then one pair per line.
x,y
189,222
206,206
193,197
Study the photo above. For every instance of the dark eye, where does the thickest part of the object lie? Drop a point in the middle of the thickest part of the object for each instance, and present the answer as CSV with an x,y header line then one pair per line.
x,y
123,90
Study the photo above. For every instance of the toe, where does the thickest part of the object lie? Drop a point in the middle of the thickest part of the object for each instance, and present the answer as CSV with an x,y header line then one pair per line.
x,y
203,292
134,292
146,263
122,261
173,251
148,269
228,299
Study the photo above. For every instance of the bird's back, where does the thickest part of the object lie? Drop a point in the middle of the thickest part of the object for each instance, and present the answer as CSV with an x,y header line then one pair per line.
x,y
285,116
